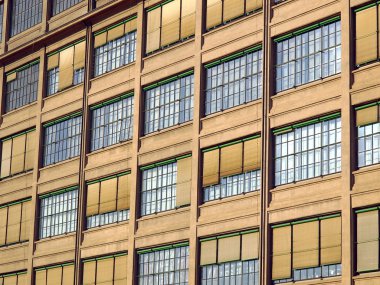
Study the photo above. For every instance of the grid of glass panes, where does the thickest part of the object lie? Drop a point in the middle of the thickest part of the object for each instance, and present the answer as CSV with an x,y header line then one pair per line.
x,y
58,214
234,82
115,53
169,104
159,189
112,124
107,218
309,56
234,273
53,79
1,20
164,267
307,152
62,5
62,140
22,90
323,271
233,185
24,15
78,76
368,144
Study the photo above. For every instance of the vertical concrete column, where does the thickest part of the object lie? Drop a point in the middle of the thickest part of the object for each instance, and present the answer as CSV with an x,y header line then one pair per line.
x,y
6,25
45,16
2,90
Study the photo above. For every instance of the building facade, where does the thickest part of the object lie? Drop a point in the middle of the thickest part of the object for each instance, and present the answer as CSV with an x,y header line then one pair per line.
x,y
189,142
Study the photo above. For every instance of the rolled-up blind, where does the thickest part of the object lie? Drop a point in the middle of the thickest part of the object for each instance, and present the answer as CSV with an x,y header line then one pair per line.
x,y
231,161
89,269
252,5
306,245
100,39
153,30
282,249
79,56
250,246
188,18
252,154
108,190
130,26
66,68
104,271
3,225
18,154
367,116
41,277
14,219
6,154
124,192
30,146
25,220
93,199
170,22
68,275
208,252
54,276
214,13
232,9
121,265
115,32
229,249
183,182
53,61
331,241
211,167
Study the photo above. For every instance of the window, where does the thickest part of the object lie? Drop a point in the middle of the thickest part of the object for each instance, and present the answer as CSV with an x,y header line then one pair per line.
x,y
16,278
367,34
62,139
24,15
367,240
166,185
234,81
164,265
307,150
169,23
223,11
112,122
62,5
115,46
230,259
232,169
17,153
307,249
65,67
62,274
1,20
15,222
108,200
368,124
21,86
58,213
308,55
111,270
169,102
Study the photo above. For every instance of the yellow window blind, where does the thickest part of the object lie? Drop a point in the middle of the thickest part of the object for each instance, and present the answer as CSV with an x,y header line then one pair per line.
x,y
211,167
282,253
183,189
231,159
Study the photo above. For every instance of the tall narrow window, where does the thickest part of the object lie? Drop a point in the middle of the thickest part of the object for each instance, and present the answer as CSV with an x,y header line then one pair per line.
x,y
15,278
234,80
220,12
110,270
309,54
307,249
170,263
307,150
24,15
17,153
168,23
62,139
21,86
1,20
15,222
58,212
115,46
65,67
368,125
112,122
169,102
61,274
166,185
108,200
232,169
62,5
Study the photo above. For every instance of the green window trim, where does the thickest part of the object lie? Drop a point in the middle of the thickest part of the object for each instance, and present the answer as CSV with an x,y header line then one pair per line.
x,y
53,266
66,47
21,68
74,115
105,257
58,192
367,210
233,56
108,102
165,162
154,7
15,203
108,177
303,221
18,134
231,143
306,29
367,106
229,235
367,6
13,274
168,80
115,25
142,251
306,123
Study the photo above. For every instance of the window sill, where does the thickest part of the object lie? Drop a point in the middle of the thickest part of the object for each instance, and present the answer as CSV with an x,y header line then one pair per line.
x,y
68,11
367,275
61,236
94,78
281,3
164,213
169,129
230,199
6,247
100,228
20,109
168,48
316,281
368,168
47,97
60,163
17,175
370,65
110,147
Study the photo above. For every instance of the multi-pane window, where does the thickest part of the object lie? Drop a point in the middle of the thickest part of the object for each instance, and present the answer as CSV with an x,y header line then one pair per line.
x,y
1,20
58,213
115,46
108,200
168,23
110,270
307,249
307,150
368,125
62,274
169,102
15,222
15,278
62,139
112,122
304,57
17,153
59,6
166,185
24,15
21,86
234,81
367,240
232,169
65,67
220,12
230,259
168,265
